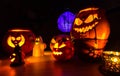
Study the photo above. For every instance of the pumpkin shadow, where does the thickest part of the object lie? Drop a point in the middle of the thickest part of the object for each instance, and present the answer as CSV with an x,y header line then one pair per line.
x,y
80,55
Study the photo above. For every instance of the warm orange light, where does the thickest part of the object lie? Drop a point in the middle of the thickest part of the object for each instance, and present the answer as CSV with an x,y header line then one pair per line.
x,y
111,52
39,46
88,9
9,42
8,71
57,53
56,45
114,59
84,29
12,60
90,28
14,54
53,41
19,30
78,21
61,46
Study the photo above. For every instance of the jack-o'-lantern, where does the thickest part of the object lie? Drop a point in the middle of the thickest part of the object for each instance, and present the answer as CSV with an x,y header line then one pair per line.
x,y
24,37
90,32
62,47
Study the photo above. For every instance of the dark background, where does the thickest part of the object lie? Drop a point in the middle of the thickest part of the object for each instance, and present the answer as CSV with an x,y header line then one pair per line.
x,y
41,16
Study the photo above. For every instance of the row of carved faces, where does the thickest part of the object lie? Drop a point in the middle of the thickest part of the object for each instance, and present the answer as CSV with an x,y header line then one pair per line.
x,y
90,26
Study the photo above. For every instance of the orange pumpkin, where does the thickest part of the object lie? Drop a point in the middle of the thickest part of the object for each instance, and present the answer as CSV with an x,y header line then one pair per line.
x,y
62,47
24,37
90,32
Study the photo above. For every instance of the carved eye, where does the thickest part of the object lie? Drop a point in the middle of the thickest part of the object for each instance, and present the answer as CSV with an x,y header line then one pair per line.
x,y
63,45
78,21
56,45
90,18
53,41
18,38
13,38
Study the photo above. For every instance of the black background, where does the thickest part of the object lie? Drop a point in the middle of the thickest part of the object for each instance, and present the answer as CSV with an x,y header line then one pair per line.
x,y
41,16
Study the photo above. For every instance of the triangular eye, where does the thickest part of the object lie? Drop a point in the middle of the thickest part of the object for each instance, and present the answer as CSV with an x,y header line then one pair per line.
x,y
90,18
78,21
18,38
56,45
63,45
12,38
53,41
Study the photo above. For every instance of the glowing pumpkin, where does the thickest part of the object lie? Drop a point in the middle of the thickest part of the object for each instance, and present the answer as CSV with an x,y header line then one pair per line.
x,y
62,47
90,32
23,37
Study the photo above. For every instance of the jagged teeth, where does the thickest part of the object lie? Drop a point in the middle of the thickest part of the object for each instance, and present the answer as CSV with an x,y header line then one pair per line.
x,y
85,29
57,53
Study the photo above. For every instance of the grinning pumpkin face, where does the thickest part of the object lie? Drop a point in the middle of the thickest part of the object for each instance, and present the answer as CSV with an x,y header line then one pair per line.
x,y
92,30
62,47
88,21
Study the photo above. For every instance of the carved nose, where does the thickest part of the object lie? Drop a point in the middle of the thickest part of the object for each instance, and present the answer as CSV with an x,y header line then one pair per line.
x,y
15,42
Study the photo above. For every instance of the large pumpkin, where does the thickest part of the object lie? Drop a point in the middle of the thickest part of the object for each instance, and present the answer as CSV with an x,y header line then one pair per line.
x,y
24,37
62,47
90,32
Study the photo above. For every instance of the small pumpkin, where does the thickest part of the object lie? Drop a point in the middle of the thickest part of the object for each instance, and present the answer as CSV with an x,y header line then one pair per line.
x,y
90,32
62,47
23,37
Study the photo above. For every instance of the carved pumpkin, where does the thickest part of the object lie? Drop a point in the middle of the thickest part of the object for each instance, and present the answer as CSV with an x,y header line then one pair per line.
x,y
39,46
23,37
90,32
62,47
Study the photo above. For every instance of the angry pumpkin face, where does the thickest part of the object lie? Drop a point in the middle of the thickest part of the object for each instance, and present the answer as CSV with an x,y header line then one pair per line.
x,y
90,23
62,47
90,31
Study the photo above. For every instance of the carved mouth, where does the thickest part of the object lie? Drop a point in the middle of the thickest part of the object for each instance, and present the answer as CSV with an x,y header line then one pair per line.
x,y
85,29
57,53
